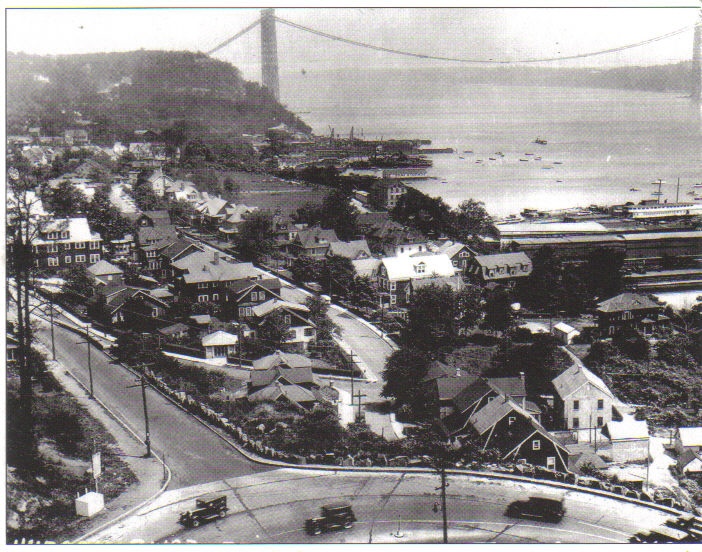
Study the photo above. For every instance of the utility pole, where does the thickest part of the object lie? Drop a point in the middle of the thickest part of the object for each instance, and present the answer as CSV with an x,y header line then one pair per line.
x,y
51,319
359,396
239,344
141,382
90,368
443,501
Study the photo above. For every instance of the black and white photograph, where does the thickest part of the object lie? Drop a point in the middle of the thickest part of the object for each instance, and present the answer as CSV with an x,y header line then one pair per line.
x,y
285,274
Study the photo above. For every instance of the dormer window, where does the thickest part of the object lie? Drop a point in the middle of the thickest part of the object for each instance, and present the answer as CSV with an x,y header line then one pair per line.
x,y
64,235
52,236
420,268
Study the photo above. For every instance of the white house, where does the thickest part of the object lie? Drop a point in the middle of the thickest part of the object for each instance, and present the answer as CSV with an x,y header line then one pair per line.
x,y
564,333
629,438
688,438
396,273
219,345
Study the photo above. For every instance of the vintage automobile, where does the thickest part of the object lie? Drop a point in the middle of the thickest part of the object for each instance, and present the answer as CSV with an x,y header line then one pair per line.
x,y
332,517
539,507
207,508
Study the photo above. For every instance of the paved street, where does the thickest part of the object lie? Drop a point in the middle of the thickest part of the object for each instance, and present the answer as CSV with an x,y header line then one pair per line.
x,y
271,507
194,454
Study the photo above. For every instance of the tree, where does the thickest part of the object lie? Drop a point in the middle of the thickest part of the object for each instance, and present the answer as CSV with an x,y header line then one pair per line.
x,y
468,307
273,331
603,271
470,218
78,285
256,237
338,213
99,310
318,315
66,200
22,229
429,215
144,195
318,430
105,218
541,291
337,275
231,187
498,310
403,374
431,318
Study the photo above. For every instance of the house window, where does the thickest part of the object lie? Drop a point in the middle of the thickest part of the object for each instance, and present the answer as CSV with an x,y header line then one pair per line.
x,y
287,319
291,336
202,285
153,265
67,259
600,404
309,332
80,258
242,311
150,254
154,312
420,268
52,248
576,405
215,296
511,420
254,296
393,299
94,257
203,298
536,444
576,423
53,261
52,235
261,296
393,286
94,245
64,235
550,462
249,311
79,245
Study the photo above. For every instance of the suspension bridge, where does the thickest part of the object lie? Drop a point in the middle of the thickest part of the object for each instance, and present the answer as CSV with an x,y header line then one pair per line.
x,y
269,50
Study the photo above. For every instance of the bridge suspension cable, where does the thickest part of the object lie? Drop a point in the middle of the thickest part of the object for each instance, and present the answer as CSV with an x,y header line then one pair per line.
x,y
233,38
469,60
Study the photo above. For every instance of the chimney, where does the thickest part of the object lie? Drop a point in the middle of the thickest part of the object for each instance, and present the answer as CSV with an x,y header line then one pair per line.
x,y
215,260
521,375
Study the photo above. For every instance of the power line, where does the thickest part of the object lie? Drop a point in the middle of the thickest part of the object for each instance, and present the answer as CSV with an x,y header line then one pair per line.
x,y
483,61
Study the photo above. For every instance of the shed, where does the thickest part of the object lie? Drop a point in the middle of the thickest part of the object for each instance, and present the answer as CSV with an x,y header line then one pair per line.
x,y
219,344
629,438
564,333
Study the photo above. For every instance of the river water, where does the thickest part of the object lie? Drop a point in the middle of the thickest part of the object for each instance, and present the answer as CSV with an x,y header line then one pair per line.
x,y
604,146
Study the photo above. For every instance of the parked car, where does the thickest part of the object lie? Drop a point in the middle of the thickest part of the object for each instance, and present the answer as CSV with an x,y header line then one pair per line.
x,y
332,517
539,507
206,509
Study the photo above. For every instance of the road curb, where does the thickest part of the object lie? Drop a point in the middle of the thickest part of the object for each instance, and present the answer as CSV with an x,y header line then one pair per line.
x,y
162,489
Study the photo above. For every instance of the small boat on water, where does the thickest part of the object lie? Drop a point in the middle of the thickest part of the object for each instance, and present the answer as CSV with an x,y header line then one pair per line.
x,y
467,151
528,154
547,167
499,153
492,159
699,185
522,159
558,162
559,181
634,190
540,141
537,158
461,157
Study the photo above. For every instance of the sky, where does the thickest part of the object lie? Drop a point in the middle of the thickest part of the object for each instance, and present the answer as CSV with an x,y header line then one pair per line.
x,y
495,32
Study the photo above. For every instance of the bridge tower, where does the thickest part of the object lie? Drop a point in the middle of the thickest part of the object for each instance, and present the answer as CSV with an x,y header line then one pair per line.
x,y
269,53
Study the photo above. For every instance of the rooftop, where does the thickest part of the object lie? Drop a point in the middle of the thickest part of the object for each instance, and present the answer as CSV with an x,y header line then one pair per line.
x,y
627,302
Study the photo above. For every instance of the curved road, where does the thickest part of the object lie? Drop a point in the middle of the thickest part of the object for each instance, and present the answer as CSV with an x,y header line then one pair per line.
x,y
194,453
271,508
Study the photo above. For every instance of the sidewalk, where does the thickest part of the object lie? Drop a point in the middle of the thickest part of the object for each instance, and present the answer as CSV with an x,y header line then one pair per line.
x,y
148,471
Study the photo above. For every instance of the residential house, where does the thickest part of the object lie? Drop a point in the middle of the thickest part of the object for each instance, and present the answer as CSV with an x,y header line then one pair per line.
x,y
583,403
312,242
367,268
629,439
301,330
220,345
62,243
159,181
688,439
122,249
172,252
459,253
206,278
152,219
504,425
129,304
294,386
234,218
76,137
211,212
629,311
396,274
564,333
175,331
352,250
245,295
690,462
455,282
289,360
504,268
385,193
106,275
150,241
11,346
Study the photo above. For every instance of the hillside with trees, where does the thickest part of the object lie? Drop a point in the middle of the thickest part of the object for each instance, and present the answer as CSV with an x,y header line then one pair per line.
x,y
186,94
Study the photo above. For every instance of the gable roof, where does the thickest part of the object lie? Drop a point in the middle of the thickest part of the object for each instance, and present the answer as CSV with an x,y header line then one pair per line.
x,y
451,248
204,266
366,267
510,386
173,329
297,375
117,299
627,302
407,268
628,428
103,268
574,378
219,339
503,259
271,285
293,393
279,358
157,234
351,250
77,227
177,248
212,206
493,412
565,328
274,304
311,237
159,217
690,436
